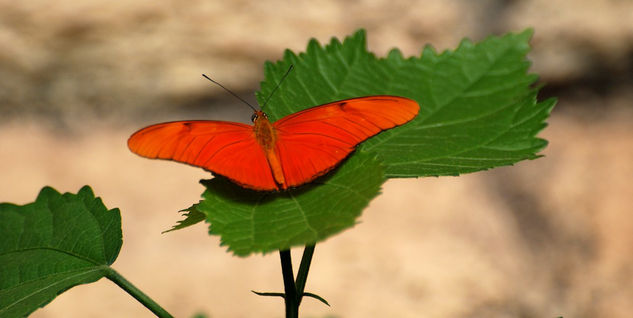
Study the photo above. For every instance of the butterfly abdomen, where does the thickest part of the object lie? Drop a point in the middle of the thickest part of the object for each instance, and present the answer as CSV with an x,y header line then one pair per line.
x,y
267,137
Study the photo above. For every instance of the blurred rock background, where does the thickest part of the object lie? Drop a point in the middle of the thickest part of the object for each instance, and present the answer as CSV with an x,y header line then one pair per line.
x,y
544,238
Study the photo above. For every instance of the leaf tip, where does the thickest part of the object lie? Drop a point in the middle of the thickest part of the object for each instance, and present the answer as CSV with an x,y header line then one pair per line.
x,y
528,33
87,191
46,192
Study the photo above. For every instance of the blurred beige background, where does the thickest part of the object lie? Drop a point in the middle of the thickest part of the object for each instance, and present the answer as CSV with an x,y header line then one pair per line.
x,y
544,238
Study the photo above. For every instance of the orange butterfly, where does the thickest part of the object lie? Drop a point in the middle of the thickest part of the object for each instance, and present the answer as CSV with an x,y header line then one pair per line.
x,y
275,156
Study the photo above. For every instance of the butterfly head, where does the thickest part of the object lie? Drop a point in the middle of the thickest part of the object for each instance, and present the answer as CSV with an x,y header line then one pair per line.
x,y
257,115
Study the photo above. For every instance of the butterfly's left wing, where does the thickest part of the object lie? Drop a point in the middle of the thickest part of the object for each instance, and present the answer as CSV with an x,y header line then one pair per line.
x,y
225,148
313,141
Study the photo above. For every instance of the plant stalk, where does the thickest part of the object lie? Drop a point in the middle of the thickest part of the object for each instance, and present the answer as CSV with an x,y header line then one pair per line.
x,y
115,277
304,267
290,290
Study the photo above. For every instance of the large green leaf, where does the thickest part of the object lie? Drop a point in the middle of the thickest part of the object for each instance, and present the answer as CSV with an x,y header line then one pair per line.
x,y
251,221
52,244
477,107
478,110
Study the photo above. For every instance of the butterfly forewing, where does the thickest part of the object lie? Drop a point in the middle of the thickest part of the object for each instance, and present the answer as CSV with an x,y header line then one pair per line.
x,y
226,148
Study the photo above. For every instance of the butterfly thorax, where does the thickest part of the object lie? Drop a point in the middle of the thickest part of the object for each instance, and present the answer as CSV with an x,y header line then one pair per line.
x,y
264,131
267,137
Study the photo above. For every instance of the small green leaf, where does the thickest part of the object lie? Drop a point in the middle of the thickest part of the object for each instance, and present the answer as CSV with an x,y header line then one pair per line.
x,y
317,297
53,244
269,294
192,217
250,221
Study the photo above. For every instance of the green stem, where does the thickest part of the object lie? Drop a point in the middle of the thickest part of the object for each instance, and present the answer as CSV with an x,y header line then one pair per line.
x,y
115,277
302,275
290,290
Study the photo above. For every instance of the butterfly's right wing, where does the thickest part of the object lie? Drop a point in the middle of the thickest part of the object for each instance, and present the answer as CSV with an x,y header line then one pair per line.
x,y
225,148
313,141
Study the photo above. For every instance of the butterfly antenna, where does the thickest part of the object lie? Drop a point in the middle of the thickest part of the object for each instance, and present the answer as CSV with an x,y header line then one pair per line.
x,y
228,90
278,84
